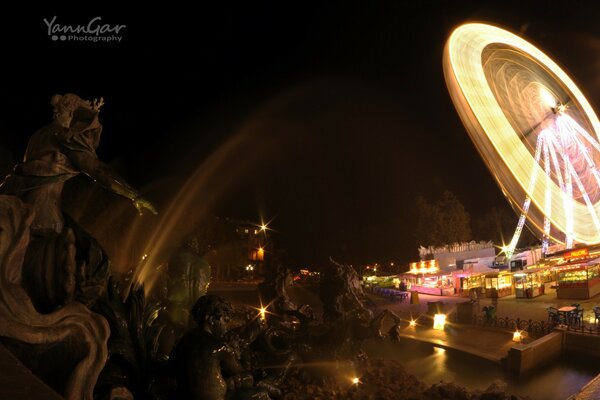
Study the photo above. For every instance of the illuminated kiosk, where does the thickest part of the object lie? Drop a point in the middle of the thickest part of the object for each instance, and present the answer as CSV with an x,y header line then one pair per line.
x,y
426,277
469,281
471,277
534,129
529,283
501,281
577,273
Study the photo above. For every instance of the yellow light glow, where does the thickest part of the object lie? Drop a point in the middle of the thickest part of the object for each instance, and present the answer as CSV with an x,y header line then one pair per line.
x,y
506,154
412,323
263,227
424,267
439,321
561,108
424,270
355,381
263,312
517,336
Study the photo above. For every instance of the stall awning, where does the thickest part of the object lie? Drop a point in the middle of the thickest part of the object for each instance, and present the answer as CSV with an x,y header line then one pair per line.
x,y
474,269
532,270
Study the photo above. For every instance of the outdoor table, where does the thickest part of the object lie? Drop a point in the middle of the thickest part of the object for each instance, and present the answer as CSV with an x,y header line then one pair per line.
x,y
567,309
565,312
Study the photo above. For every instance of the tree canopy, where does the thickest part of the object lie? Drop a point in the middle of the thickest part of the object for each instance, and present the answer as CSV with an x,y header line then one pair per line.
x,y
442,222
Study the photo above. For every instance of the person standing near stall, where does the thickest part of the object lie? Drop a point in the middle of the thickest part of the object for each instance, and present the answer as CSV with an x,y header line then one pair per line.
x,y
494,296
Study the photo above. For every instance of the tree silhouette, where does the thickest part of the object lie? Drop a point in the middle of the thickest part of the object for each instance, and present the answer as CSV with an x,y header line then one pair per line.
x,y
443,222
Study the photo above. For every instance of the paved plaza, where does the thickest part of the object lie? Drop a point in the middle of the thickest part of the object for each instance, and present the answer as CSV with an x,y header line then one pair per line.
x,y
535,308
490,344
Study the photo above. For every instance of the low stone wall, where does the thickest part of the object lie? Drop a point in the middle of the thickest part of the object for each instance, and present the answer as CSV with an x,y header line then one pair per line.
x,y
582,343
523,358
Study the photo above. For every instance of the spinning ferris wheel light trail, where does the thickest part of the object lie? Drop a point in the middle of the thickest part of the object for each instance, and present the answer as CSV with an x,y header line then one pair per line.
x,y
534,129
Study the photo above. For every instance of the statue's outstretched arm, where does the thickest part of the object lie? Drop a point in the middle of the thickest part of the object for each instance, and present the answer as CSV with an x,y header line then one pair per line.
x,y
121,187
88,163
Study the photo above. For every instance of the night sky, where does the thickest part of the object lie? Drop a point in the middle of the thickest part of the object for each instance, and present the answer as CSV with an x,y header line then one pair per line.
x,y
328,118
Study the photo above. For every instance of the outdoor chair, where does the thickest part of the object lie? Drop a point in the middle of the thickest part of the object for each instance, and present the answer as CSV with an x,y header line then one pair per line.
x,y
596,314
554,316
576,317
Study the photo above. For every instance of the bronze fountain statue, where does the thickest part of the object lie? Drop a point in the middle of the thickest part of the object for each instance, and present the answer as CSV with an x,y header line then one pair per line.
x,y
56,290
52,271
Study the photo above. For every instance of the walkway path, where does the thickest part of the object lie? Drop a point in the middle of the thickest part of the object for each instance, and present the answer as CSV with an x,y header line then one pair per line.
x,y
489,344
534,309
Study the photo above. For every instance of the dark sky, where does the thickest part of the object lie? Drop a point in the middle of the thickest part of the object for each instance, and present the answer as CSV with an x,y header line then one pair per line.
x,y
329,117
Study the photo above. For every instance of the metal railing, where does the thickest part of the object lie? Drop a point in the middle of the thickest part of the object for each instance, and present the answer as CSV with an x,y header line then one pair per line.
x,y
533,328
589,329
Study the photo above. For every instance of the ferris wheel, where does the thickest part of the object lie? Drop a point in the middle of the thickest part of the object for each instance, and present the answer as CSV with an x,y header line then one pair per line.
x,y
534,129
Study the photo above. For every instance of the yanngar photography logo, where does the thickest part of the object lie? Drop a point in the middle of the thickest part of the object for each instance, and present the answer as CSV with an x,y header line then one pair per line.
x,y
94,31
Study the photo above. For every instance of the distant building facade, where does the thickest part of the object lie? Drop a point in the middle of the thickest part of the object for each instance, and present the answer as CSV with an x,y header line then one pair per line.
x,y
256,244
455,255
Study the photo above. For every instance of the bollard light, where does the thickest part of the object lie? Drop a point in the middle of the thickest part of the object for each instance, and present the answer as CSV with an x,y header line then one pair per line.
x,y
439,321
517,337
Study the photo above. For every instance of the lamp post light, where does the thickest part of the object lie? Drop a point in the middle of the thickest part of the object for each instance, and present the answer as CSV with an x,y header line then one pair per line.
x,y
250,271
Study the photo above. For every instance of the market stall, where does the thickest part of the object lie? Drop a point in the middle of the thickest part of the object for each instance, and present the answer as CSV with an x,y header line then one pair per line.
x,y
472,278
372,281
440,285
501,281
426,277
581,282
469,282
529,283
